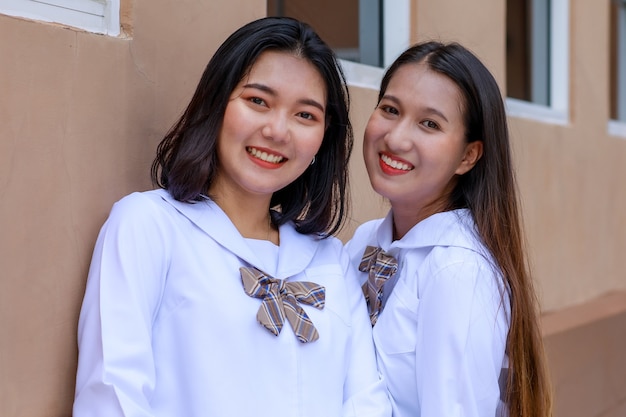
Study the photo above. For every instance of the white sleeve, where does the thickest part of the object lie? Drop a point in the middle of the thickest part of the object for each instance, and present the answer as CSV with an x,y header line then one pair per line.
x,y
116,370
461,329
365,393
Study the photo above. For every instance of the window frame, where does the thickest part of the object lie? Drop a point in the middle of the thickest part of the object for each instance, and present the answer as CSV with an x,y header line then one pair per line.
x,y
617,126
97,16
396,38
557,112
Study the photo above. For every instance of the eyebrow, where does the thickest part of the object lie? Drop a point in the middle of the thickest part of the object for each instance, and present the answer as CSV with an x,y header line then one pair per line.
x,y
272,92
427,109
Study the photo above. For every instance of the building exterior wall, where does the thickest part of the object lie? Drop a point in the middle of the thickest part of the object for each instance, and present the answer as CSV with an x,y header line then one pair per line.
x,y
80,117
81,114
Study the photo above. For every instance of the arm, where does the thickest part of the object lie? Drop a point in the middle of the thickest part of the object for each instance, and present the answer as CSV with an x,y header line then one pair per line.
x,y
462,329
365,394
116,370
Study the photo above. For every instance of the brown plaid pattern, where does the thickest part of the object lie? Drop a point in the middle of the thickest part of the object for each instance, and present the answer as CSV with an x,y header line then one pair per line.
x,y
280,300
380,266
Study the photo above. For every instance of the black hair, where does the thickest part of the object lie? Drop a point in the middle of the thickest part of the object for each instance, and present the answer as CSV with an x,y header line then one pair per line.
x,y
489,191
186,160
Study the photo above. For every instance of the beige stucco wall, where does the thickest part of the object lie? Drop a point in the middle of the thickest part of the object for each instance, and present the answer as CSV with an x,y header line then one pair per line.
x,y
80,116
572,177
366,204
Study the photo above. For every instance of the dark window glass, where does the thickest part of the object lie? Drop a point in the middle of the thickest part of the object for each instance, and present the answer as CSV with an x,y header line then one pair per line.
x,y
353,28
528,50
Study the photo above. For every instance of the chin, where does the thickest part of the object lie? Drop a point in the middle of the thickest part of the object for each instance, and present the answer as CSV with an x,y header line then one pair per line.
x,y
381,190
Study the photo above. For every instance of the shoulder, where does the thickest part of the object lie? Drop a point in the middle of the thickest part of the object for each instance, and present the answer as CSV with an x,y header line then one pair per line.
x,y
459,247
299,252
331,242
367,229
460,273
330,249
364,235
448,228
451,232
139,202
443,260
459,253
140,210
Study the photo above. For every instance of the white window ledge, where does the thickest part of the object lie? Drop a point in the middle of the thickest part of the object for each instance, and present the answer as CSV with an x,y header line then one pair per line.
x,y
617,128
361,75
537,112
97,16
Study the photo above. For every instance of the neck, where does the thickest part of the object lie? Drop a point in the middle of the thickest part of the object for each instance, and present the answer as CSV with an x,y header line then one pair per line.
x,y
406,214
251,218
249,212
405,219
402,224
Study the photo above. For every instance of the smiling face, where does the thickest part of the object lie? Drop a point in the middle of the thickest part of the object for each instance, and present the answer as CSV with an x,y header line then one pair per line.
x,y
415,144
273,126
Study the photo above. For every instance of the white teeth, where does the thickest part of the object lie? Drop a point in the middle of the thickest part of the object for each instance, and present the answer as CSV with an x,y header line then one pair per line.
x,y
274,159
395,164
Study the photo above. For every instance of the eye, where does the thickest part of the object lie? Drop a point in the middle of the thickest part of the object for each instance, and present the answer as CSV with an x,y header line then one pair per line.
x,y
257,100
306,115
389,109
430,124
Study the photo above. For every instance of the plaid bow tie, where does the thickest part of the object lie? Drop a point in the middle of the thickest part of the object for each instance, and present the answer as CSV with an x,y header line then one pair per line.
x,y
280,300
380,266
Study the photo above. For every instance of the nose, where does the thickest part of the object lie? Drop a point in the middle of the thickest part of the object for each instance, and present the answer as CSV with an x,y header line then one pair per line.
x,y
398,138
276,126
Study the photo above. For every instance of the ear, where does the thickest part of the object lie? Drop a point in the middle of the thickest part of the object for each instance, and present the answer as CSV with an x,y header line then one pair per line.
x,y
473,152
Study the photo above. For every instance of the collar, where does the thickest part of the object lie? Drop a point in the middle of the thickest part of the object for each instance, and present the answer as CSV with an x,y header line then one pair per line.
x,y
449,228
296,250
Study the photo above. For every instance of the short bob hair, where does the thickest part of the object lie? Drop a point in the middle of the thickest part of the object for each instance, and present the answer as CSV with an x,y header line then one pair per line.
x,y
186,160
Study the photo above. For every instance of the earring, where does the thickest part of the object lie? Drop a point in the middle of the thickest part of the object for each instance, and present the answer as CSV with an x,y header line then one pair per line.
x,y
313,161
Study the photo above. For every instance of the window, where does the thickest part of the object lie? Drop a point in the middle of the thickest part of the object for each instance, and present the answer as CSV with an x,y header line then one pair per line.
x,y
617,80
367,35
537,59
99,16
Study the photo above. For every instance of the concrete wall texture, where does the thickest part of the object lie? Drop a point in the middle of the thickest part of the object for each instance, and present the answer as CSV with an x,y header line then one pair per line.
x,y
81,114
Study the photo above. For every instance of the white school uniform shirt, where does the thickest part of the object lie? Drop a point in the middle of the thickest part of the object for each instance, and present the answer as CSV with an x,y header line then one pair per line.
x,y
440,338
166,328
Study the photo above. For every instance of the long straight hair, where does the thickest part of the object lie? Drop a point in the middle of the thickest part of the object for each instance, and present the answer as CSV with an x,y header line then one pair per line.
x,y
489,191
186,160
